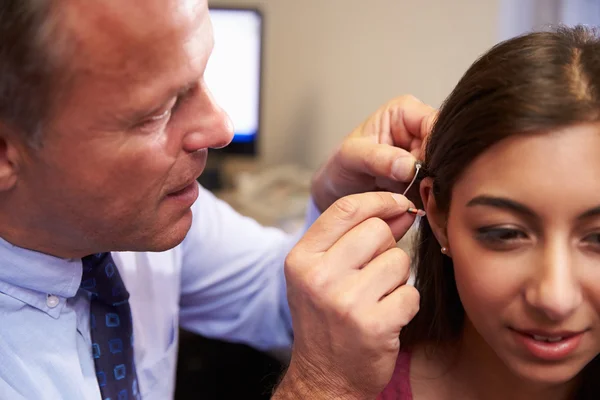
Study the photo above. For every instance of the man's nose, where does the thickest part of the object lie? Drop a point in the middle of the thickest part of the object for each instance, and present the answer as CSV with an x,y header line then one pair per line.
x,y
211,126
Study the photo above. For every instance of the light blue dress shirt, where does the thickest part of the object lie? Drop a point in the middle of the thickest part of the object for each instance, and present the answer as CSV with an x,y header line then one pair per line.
x,y
225,280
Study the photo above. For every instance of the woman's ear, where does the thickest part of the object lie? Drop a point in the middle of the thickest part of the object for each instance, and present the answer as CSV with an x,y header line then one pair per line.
x,y
437,219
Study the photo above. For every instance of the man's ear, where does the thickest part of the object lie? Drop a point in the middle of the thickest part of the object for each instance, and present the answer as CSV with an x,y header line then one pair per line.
x,y
9,160
437,219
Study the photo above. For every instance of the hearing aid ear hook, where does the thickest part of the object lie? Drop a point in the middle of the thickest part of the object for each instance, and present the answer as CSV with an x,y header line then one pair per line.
x,y
417,212
417,168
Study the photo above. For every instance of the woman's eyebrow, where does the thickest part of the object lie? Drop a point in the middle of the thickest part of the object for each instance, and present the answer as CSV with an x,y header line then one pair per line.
x,y
514,206
592,212
502,203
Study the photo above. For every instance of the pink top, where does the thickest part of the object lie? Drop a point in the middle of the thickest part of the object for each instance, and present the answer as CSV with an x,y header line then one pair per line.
x,y
399,386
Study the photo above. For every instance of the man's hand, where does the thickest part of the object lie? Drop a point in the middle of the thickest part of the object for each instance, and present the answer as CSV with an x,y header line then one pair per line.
x,y
349,299
379,155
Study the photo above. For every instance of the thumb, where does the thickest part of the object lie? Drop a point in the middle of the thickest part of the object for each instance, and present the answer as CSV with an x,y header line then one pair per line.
x,y
400,225
378,160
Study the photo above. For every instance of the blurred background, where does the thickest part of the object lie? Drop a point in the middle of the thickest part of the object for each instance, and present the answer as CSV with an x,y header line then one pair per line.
x,y
296,77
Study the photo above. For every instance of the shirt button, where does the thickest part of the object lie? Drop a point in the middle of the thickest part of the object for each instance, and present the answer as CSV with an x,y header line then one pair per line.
x,y
52,301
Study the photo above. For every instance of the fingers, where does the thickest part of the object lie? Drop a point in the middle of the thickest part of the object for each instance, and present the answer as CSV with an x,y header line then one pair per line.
x,y
361,244
378,160
400,306
409,118
347,293
400,127
348,212
384,274
400,225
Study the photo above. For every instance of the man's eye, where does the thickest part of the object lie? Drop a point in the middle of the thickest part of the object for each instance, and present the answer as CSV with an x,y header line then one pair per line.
x,y
154,121
165,115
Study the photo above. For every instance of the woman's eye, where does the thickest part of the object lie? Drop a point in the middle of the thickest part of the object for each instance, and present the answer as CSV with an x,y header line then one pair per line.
x,y
500,236
593,239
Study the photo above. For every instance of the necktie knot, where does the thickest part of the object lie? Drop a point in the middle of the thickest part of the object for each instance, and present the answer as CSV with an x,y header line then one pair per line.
x,y
102,279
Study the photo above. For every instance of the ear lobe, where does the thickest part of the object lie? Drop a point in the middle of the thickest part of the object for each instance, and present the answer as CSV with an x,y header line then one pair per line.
x,y
435,217
9,157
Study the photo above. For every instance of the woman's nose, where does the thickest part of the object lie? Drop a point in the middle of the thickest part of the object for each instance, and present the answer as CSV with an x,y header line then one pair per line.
x,y
554,290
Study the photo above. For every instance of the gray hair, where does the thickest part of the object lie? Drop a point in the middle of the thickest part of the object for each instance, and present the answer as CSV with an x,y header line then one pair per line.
x,y
25,65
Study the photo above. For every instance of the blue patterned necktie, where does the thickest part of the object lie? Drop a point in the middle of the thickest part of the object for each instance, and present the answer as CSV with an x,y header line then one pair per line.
x,y
111,328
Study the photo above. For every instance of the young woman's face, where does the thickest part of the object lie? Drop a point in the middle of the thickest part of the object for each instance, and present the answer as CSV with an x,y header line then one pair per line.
x,y
524,234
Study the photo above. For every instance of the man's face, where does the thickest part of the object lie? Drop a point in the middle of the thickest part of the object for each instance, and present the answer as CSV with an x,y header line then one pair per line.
x,y
128,136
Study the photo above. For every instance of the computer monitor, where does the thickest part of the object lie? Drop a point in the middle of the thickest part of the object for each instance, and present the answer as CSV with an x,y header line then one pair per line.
x,y
234,71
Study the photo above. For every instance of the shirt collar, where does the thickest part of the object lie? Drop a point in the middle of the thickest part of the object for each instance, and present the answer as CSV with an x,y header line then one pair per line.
x,y
32,277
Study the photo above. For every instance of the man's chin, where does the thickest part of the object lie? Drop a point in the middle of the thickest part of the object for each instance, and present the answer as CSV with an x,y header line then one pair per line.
x,y
165,238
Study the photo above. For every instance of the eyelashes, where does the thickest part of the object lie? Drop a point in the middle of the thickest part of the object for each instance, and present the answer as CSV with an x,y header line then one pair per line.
x,y
506,238
500,234
592,241
501,238
158,120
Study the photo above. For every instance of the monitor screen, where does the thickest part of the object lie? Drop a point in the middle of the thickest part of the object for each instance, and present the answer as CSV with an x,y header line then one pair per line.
x,y
233,73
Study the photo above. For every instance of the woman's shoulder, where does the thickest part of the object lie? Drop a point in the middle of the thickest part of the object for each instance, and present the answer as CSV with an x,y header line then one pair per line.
x,y
399,386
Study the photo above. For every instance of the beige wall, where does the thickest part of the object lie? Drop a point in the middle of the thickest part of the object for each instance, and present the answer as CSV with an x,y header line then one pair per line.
x,y
329,63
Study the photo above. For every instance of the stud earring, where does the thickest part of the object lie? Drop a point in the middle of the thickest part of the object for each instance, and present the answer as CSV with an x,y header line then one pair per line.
x,y
444,250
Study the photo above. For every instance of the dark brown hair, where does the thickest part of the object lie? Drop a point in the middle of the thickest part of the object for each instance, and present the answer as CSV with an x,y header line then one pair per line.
x,y
533,83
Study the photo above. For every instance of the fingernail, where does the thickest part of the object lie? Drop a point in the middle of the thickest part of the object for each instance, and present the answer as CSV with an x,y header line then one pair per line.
x,y
402,168
400,199
415,211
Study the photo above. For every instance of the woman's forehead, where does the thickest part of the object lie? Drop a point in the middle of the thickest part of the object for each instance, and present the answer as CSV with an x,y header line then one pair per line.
x,y
561,166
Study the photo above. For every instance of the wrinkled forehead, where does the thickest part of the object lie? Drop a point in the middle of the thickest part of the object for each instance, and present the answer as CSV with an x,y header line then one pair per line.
x,y
117,57
121,36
